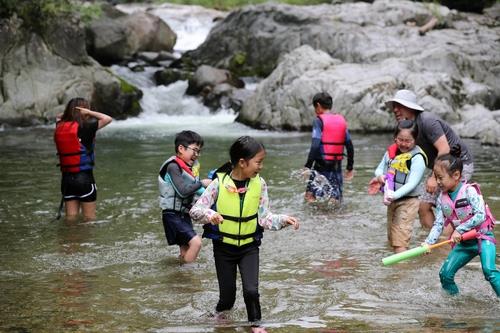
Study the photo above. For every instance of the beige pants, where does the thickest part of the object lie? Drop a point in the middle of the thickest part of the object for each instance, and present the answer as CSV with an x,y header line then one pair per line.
x,y
400,217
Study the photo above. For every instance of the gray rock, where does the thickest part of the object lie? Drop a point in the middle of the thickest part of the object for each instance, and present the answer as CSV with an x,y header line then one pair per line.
x,y
283,100
41,74
111,40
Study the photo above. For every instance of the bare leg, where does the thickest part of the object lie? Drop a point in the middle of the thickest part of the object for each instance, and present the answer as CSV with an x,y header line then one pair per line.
x,y
72,208
309,197
182,252
88,209
426,214
398,249
193,248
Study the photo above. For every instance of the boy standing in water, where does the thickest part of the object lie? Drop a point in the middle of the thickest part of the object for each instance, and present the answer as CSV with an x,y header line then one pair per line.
x,y
329,136
178,183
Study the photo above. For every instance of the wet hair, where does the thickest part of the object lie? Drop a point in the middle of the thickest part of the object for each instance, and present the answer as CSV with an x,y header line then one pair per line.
x,y
186,138
71,113
407,124
324,99
451,162
245,147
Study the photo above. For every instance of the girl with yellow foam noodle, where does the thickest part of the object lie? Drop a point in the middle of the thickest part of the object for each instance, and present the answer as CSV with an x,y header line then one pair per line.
x,y
235,210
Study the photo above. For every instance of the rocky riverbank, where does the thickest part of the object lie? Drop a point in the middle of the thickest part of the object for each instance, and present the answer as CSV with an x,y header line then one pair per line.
x,y
359,52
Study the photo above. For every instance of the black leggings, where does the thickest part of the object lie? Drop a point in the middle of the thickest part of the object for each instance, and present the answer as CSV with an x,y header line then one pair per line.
x,y
246,258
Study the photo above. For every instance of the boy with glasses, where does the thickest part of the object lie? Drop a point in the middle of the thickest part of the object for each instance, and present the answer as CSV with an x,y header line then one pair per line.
x,y
179,183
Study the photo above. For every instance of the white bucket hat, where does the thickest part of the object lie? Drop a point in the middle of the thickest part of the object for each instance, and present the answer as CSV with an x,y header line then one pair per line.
x,y
406,98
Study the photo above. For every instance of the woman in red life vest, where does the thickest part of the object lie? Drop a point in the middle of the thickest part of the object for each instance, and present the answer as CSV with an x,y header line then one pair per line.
x,y
75,137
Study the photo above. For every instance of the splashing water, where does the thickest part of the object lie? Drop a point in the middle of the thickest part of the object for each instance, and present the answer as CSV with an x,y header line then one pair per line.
x,y
325,192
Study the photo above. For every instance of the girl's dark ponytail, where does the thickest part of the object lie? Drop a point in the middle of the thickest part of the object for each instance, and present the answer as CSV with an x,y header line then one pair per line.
x,y
456,151
452,160
224,168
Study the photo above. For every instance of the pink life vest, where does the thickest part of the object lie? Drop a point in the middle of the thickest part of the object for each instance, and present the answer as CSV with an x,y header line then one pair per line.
x,y
333,136
460,211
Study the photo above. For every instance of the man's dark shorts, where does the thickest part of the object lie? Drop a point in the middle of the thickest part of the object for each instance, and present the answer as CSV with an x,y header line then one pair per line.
x,y
79,186
178,228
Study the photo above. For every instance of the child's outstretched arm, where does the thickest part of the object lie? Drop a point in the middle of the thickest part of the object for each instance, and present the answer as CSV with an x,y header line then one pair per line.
x,y
201,211
181,187
437,228
269,220
290,220
378,181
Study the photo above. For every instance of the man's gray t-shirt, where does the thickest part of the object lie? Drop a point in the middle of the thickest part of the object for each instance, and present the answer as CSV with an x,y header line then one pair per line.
x,y
430,128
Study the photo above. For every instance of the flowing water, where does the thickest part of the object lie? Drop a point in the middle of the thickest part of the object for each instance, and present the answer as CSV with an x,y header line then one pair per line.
x,y
117,274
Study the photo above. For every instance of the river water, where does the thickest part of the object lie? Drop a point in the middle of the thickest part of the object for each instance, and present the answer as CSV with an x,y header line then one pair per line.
x,y
117,274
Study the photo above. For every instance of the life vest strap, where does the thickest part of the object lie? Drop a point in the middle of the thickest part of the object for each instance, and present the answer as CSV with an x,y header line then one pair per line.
x,y
333,143
239,219
75,165
237,237
77,153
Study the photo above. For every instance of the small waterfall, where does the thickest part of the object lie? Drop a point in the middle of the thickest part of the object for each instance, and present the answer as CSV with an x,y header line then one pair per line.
x,y
166,109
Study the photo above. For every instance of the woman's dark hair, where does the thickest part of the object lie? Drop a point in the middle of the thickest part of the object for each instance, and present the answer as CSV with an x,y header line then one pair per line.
x,y
245,147
452,161
71,113
407,124
185,138
324,99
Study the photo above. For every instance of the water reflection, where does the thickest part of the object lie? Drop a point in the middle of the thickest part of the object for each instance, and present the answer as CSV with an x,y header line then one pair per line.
x,y
118,275
74,287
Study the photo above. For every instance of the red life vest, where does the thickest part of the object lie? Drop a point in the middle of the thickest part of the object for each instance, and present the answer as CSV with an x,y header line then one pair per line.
x,y
73,155
459,211
392,151
333,136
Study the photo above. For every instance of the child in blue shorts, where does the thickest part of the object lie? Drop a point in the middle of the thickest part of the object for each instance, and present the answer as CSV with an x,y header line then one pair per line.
x,y
178,183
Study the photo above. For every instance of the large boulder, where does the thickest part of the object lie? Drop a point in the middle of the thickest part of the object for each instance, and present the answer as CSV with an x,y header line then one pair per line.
x,y
250,40
283,100
111,40
377,49
42,72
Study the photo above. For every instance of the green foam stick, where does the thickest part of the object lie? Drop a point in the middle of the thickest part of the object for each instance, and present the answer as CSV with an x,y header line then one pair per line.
x,y
404,255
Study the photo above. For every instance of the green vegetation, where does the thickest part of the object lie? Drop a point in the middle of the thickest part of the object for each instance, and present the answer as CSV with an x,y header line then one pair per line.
x,y
88,11
231,4
37,14
126,87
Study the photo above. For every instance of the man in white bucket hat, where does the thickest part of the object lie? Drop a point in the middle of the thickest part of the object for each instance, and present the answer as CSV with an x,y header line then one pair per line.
x,y
435,137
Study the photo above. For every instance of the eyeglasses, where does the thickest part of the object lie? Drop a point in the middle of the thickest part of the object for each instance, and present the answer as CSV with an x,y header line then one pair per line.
x,y
194,150
407,141
233,189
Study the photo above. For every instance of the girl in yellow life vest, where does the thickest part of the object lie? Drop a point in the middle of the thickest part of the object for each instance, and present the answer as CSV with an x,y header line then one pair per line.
x,y
401,173
234,210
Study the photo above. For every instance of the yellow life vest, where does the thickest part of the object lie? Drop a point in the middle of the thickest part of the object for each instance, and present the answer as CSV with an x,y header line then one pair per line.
x,y
240,224
401,165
